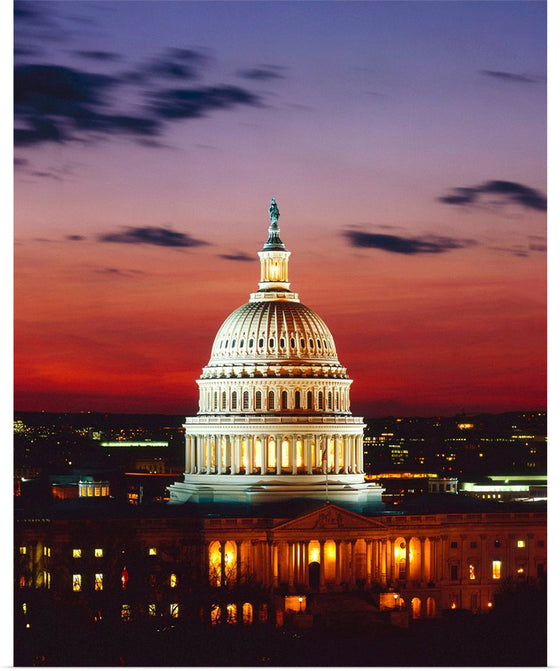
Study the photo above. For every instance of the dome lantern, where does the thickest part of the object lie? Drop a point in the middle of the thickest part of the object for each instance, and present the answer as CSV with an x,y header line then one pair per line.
x,y
274,263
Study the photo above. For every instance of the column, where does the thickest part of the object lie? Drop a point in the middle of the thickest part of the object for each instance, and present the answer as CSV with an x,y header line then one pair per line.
x,y
353,563
383,562
407,559
278,440
306,564
293,454
337,565
336,452
208,454
307,444
360,454
290,566
369,561
238,545
187,454
322,565
432,576
200,457
251,450
422,560
345,447
390,559
218,450
205,562
234,457
264,440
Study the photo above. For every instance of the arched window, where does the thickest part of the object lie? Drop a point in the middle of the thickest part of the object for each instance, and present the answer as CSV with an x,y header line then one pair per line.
x,y
224,400
215,400
258,400
245,400
320,400
284,400
271,343
329,400
282,345
292,343
302,343
336,401
234,400
251,341
261,343
297,402
271,400
309,400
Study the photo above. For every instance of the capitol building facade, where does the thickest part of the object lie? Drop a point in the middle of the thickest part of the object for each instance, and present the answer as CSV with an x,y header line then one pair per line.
x,y
274,420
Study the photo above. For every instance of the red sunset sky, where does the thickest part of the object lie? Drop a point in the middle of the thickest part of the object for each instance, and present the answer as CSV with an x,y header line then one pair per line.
x,y
405,144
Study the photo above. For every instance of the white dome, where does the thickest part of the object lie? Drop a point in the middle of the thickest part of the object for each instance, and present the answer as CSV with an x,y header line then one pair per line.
x,y
274,332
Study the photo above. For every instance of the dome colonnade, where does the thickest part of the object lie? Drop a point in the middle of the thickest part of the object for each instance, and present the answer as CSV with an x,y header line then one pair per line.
x,y
274,419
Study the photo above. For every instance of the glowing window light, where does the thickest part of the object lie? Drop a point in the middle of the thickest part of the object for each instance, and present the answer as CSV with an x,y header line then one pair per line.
x,y
285,454
231,609
76,582
299,453
173,580
125,612
98,583
174,609
152,552
23,550
272,453
98,552
472,572
152,612
496,569
520,543
314,551
215,614
520,569
258,453
247,613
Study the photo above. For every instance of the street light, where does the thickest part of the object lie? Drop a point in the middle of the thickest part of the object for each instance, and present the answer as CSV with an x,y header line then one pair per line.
x,y
395,596
300,603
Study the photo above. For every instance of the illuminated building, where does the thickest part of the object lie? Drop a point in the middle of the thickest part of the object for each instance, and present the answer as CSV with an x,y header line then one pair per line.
x,y
274,420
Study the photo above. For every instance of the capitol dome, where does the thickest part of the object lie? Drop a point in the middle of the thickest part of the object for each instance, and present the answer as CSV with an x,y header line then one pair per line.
x,y
274,419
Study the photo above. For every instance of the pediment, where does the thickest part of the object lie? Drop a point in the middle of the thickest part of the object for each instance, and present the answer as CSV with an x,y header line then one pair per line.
x,y
330,517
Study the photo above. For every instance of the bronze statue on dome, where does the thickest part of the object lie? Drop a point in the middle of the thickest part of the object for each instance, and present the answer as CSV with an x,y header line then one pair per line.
x,y
273,211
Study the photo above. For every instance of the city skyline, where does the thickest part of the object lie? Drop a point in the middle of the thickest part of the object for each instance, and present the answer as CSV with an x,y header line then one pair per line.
x,y
405,144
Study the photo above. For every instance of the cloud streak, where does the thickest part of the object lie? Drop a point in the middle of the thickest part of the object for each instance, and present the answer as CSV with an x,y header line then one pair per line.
x,y
511,192
152,235
397,244
509,76
240,256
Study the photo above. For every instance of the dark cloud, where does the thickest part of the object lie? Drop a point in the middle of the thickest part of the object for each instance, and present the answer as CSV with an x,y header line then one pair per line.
x,y
510,191
195,103
516,250
45,173
58,104
171,64
263,73
75,238
537,243
152,235
20,163
510,76
102,56
119,272
428,244
240,256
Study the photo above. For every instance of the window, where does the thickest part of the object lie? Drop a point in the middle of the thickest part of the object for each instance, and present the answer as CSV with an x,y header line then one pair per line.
x,y
297,400
309,400
152,612
46,551
77,582
454,572
474,544
329,400
23,550
472,572
320,400
245,400
284,400
282,343
258,400
302,343
520,543
261,343
24,608
454,544
271,400
271,343
173,580
98,552
234,400
124,577
98,582
125,612
76,553
224,400
497,543
496,569
292,343
174,609
152,552
22,581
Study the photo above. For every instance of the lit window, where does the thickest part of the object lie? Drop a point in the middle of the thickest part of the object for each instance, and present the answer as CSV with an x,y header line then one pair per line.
x,y
46,551
98,552
76,553
152,612
520,543
247,613
152,551
174,609
472,572
520,569
125,612
23,550
77,582
231,613
24,608
173,580
98,584
47,579
22,581
124,578
496,570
